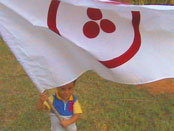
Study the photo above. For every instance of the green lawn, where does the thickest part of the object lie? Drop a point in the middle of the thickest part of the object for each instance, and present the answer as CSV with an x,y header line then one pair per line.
x,y
107,106
151,1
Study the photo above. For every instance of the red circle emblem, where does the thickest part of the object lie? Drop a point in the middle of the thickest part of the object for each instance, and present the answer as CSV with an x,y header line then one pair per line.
x,y
117,61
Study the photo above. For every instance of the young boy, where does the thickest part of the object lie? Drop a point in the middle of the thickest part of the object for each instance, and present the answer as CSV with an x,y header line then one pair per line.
x,y
67,106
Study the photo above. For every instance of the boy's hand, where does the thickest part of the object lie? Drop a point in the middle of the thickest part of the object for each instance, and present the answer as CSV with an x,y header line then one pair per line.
x,y
64,123
44,96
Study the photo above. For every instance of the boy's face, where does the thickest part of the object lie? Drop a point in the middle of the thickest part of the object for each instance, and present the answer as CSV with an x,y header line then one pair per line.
x,y
66,91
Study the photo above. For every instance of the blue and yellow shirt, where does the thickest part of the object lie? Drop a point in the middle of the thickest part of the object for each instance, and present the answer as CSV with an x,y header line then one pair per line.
x,y
68,108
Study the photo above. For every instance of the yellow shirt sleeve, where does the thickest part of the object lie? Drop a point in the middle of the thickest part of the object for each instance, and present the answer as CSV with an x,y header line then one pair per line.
x,y
77,108
51,98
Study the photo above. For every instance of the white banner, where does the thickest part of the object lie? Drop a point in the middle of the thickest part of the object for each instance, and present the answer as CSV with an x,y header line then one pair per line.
x,y
58,41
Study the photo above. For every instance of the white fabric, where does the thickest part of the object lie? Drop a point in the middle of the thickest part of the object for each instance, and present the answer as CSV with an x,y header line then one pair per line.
x,y
52,60
55,124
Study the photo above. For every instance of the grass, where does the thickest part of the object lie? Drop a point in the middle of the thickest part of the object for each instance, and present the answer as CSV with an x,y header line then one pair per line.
x,y
167,2
107,106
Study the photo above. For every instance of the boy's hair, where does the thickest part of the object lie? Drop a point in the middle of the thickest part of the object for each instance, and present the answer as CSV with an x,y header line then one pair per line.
x,y
71,82
74,82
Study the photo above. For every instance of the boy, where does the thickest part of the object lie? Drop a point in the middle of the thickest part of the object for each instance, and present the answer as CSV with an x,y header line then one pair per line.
x,y
67,106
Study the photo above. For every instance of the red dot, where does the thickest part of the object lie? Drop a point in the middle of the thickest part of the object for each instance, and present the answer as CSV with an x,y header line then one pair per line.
x,y
94,14
107,26
91,29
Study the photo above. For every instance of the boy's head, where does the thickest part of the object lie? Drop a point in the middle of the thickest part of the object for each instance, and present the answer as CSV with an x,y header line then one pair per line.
x,y
66,91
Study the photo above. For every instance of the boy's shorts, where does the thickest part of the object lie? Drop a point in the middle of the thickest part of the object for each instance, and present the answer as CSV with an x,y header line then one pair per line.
x,y
55,124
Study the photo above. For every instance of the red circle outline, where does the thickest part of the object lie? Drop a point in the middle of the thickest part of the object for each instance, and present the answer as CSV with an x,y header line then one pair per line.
x,y
133,48
115,62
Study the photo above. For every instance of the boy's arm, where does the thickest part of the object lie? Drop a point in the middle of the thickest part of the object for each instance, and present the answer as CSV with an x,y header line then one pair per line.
x,y
73,119
77,112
